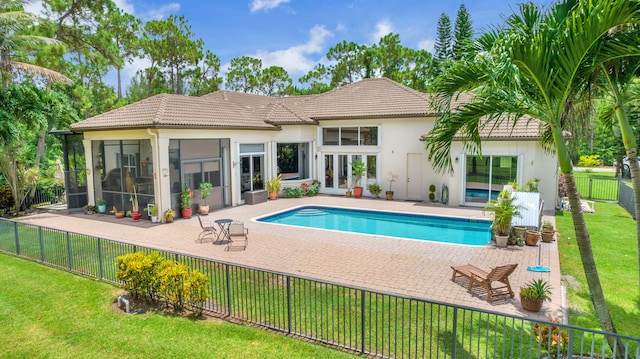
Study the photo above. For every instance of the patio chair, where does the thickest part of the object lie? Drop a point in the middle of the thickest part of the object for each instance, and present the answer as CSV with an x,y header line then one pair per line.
x,y
484,279
207,231
237,236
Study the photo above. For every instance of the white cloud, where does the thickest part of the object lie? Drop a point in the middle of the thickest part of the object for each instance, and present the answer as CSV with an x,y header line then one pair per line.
x,y
426,44
34,7
161,12
257,5
296,59
125,5
383,28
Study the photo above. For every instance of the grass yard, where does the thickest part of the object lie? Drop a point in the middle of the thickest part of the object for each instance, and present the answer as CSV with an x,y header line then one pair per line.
x,y
613,239
54,314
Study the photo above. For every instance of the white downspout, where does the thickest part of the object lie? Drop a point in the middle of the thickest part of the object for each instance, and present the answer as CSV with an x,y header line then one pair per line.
x,y
157,193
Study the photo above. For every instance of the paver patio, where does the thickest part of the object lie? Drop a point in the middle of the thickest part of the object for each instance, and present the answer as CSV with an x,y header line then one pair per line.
x,y
399,266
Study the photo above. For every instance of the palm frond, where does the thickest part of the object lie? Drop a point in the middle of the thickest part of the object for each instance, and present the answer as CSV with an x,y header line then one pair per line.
x,y
41,71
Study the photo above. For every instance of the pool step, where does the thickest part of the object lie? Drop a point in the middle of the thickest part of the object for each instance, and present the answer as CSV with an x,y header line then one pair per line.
x,y
309,212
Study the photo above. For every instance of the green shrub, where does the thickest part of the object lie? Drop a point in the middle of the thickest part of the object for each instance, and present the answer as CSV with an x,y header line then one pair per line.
x,y
172,282
290,192
150,276
589,161
313,189
195,290
138,271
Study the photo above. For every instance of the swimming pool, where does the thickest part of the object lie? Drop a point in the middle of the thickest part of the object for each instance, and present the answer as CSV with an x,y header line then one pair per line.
x,y
475,232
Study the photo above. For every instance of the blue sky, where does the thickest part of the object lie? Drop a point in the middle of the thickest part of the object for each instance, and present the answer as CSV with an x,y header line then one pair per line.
x,y
296,34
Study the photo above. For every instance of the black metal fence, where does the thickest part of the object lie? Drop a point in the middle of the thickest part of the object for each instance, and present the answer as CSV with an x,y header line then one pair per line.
x,y
373,323
605,189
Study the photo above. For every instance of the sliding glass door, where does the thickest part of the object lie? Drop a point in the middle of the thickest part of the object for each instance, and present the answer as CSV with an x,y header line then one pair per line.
x,y
486,175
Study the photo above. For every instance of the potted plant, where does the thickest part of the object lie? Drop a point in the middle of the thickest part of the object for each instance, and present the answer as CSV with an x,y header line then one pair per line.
x,y
116,213
273,186
135,213
169,215
358,169
375,189
548,232
503,212
90,209
392,178
102,206
205,191
153,213
534,293
185,202
532,237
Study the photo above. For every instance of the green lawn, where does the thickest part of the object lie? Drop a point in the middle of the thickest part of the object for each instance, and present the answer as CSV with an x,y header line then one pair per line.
x,y
613,239
48,313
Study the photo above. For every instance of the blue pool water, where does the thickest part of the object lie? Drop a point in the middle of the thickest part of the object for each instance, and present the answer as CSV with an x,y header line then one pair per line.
x,y
475,232
480,193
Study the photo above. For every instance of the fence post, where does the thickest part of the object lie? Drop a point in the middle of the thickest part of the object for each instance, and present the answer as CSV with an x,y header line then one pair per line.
x,y
228,289
569,344
288,305
41,244
69,252
100,259
590,186
15,234
454,332
363,326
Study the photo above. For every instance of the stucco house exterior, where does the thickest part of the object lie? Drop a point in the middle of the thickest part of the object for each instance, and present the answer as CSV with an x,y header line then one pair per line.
x,y
236,141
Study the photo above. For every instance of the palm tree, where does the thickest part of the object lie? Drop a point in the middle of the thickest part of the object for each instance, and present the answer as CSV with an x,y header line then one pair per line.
x,y
534,69
618,76
13,23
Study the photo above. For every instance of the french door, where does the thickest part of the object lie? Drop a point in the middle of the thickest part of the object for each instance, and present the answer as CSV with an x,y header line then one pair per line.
x,y
337,171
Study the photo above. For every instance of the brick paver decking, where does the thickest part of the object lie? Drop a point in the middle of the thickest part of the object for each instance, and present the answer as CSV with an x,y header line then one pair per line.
x,y
408,267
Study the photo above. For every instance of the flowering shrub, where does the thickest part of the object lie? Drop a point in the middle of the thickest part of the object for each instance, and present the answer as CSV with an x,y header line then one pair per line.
x,y
551,338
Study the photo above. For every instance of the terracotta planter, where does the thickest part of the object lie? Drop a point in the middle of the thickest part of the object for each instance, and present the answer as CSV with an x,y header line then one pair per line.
x,y
169,220
532,238
186,213
357,192
136,215
273,195
547,236
120,214
204,209
530,304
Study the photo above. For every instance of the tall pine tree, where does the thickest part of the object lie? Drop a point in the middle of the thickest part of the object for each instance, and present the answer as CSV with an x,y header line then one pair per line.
x,y
463,34
444,41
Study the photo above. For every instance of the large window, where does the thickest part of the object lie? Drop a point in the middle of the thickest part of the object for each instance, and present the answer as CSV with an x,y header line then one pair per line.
x,y
293,160
350,136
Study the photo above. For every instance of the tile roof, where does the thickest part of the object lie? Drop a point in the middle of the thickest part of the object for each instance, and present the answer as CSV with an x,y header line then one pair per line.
x,y
368,98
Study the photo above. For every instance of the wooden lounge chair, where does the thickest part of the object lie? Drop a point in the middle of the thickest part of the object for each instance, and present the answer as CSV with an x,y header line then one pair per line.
x,y
476,275
207,231
238,236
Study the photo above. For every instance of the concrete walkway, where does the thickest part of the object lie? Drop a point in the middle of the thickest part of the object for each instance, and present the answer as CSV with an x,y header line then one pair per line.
x,y
407,267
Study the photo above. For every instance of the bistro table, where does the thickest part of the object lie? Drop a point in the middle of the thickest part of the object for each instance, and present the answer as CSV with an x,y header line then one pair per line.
x,y
224,229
